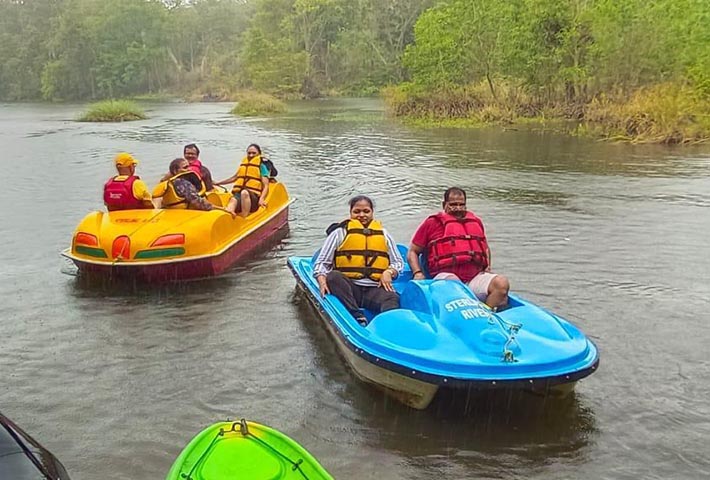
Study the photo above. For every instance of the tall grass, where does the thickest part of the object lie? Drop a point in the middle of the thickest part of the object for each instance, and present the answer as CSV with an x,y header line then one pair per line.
x,y
112,111
667,113
255,103
470,104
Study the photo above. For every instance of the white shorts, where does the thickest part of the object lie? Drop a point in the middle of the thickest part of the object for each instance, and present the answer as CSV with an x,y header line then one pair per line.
x,y
478,284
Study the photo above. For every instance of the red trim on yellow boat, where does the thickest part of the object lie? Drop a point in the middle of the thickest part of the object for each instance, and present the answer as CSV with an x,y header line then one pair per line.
x,y
121,248
170,239
87,239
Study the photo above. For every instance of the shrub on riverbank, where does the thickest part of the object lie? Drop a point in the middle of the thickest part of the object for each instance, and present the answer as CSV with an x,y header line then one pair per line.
x,y
255,103
666,113
468,105
113,111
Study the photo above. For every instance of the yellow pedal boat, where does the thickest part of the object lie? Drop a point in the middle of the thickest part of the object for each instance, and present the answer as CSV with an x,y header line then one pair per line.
x,y
164,245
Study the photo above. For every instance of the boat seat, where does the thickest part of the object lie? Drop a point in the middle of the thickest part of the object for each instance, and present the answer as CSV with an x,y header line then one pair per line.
x,y
415,297
216,199
406,328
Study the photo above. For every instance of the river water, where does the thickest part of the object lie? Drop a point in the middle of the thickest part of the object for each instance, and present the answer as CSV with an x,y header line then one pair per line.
x,y
116,380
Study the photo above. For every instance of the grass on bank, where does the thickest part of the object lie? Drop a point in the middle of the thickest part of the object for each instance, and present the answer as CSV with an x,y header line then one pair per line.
x,y
667,113
256,103
113,111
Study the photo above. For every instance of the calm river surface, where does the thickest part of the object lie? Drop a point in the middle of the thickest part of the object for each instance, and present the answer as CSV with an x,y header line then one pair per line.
x,y
115,381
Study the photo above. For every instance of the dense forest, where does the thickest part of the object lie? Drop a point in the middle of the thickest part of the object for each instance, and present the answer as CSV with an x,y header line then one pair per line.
x,y
481,60
89,49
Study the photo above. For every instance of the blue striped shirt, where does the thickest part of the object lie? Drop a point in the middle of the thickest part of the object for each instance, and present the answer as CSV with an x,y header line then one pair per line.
x,y
324,262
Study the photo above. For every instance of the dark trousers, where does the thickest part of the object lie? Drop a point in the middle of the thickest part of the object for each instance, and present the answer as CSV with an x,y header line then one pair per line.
x,y
355,296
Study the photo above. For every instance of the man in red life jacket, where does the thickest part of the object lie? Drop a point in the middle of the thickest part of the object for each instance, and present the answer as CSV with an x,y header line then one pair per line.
x,y
191,153
455,248
126,191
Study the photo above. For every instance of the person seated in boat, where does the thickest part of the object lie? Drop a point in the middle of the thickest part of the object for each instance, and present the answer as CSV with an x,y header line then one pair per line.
x,y
206,177
126,191
191,153
455,247
251,183
358,262
184,189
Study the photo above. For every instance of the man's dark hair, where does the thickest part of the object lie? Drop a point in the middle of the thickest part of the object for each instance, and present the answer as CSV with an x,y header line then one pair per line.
x,y
455,190
191,145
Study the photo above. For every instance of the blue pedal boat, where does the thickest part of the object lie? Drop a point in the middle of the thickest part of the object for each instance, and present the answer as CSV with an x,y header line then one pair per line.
x,y
443,336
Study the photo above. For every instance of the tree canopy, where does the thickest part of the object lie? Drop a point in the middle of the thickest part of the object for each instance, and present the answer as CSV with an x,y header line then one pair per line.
x,y
569,50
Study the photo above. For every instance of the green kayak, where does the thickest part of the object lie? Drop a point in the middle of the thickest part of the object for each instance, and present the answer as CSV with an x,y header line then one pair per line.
x,y
244,450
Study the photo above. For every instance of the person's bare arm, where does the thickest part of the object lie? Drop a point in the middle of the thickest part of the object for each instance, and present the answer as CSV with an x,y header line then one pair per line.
x,y
264,191
413,260
226,180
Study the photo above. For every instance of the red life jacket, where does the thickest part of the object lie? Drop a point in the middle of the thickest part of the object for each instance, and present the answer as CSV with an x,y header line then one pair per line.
x,y
463,244
195,166
118,194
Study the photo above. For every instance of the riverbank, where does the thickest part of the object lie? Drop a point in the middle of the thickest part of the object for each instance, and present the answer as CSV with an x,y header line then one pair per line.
x,y
668,113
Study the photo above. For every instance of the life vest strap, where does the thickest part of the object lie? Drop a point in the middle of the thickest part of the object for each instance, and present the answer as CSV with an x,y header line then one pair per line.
x,y
366,231
476,258
366,271
249,177
364,253
453,239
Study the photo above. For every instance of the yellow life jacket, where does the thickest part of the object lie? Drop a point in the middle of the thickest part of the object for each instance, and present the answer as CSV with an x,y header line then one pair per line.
x,y
171,199
363,252
249,175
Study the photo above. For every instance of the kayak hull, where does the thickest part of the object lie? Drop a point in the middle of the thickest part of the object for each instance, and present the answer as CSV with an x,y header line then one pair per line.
x,y
228,450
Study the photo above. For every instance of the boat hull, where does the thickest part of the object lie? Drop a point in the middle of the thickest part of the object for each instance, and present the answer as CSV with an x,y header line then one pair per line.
x,y
409,391
263,238
168,245
23,458
412,354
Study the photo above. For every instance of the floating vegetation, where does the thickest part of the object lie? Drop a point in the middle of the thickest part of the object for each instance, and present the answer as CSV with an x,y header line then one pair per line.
x,y
113,111
256,103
